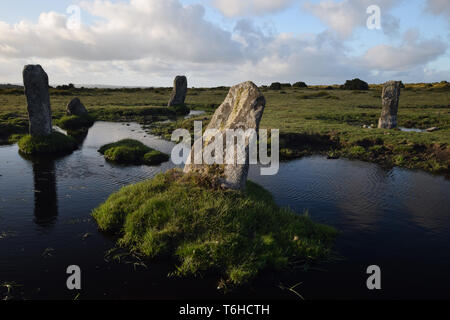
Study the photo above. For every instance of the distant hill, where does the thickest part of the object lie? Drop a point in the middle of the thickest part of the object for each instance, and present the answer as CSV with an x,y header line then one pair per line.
x,y
87,86
10,86
101,86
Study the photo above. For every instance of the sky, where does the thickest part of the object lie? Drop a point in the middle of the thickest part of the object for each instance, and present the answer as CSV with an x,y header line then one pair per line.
x,y
225,42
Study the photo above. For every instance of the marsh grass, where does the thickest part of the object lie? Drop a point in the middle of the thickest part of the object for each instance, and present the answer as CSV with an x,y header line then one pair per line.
x,y
11,124
9,288
130,151
338,120
206,229
75,122
320,94
56,143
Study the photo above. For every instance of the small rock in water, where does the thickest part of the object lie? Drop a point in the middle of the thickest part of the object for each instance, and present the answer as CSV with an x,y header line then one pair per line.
x,y
85,236
75,107
35,81
179,92
432,129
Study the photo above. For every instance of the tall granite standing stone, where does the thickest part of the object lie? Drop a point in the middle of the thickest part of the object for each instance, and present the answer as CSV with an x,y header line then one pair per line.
x,y
242,109
179,91
76,108
35,81
390,98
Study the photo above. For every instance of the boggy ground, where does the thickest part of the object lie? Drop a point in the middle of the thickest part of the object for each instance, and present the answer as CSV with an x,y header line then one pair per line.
x,y
318,119
205,229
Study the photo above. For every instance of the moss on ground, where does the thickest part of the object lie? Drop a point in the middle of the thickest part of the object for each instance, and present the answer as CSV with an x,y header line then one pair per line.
x,y
155,157
130,151
76,122
328,124
11,124
207,229
180,110
56,143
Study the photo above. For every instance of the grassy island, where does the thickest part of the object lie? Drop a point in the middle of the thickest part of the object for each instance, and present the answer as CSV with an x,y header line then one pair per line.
x,y
130,151
73,122
206,229
56,143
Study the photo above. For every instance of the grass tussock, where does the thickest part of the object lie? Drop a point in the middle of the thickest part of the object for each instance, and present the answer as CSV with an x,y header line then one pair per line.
x,y
74,122
56,143
130,151
11,124
207,229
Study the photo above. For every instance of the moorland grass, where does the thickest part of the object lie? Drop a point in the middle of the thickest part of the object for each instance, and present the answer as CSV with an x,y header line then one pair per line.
x,y
11,124
56,143
73,122
130,151
206,229
326,123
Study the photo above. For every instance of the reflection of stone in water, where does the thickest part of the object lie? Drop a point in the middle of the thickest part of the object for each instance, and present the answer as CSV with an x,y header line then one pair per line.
x,y
79,135
45,198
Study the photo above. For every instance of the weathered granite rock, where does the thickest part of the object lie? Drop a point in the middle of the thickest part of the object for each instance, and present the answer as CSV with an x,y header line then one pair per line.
x,y
179,91
390,98
76,108
242,109
35,81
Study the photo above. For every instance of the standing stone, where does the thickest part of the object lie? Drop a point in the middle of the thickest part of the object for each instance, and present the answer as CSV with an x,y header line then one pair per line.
x,y
242,109
390,98
35,81
76,108
179,91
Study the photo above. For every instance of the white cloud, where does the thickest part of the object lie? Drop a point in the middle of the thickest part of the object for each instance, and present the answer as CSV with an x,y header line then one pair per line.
x,y
345,16
126,31
411,53
439,7
234,8
148,42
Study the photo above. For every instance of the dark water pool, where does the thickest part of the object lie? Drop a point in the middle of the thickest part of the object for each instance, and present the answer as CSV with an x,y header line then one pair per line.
x,y
399,220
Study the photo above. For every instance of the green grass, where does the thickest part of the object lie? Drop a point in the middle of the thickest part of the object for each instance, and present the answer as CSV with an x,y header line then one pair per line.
x,y
141,105
75,122
321,120
56,143
320,94
11,124
155,157
130,151
205,229
323,125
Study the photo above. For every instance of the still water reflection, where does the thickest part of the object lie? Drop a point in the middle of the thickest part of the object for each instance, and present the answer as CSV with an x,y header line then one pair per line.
x,y
45,198
398,219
